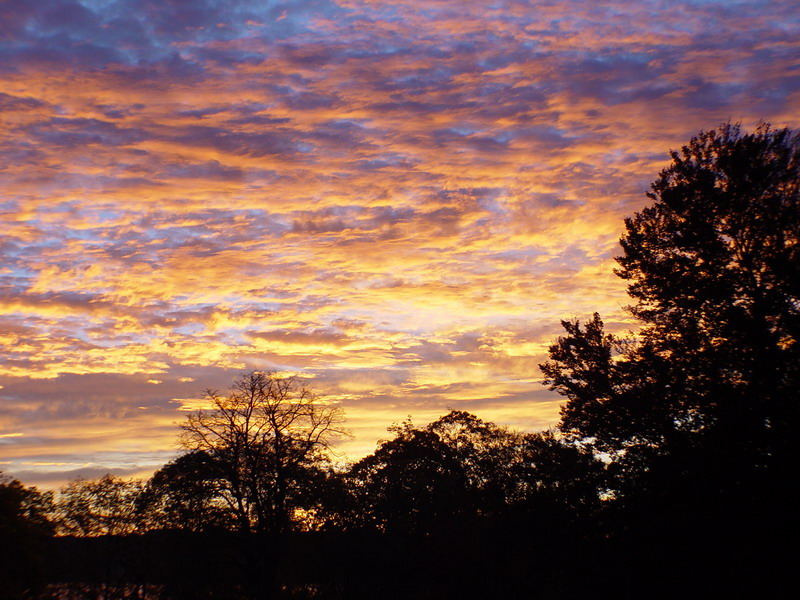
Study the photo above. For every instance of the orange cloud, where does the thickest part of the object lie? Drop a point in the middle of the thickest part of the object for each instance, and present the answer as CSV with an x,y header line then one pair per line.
x,y
398,203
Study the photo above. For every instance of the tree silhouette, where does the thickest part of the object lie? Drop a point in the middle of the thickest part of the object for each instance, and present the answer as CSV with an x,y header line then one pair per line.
x,y
411,484
24,523
266,437
106,506
460,470
698,411
553,476
714,267
185,494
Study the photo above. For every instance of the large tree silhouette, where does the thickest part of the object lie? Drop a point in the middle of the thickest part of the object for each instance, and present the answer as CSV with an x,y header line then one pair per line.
x,y
714,267
699,410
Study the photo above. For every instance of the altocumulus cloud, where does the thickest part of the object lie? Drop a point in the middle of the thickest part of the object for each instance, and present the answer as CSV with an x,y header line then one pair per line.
x,y
398,201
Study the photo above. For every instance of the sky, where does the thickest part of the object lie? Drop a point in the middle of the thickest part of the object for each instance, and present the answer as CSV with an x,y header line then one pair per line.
x,y
395,201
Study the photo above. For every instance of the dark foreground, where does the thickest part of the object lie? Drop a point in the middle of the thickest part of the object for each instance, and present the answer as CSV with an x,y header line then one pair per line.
x,y
653,562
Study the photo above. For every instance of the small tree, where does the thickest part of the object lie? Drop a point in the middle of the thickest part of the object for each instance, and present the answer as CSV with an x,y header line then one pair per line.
x,y
185,494
24,524
106,506
412,484
266,436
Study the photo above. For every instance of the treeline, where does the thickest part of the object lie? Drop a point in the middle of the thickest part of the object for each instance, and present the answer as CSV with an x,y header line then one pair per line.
x,y
672,473
258,487
455,471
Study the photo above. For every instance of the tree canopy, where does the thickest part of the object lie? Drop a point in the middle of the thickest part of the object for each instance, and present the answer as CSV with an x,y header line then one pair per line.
x,y
265,437
713,265
24,522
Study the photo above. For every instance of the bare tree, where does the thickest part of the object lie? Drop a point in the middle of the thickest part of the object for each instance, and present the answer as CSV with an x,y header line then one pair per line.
x,y
268,435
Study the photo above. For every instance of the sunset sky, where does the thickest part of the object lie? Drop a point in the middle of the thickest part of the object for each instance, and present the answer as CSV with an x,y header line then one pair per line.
x,y
398,201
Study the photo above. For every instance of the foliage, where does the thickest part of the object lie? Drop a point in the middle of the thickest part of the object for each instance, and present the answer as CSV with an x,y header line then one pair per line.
x,y
106,506
460,470
410,484
24,507
24,522
185,494
714,267
266,437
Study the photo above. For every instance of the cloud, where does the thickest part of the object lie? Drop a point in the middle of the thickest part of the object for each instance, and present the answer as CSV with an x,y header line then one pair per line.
x,y
398,201
55,478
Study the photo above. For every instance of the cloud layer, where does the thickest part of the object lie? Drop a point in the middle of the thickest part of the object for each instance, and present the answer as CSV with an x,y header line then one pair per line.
x,y
398,201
